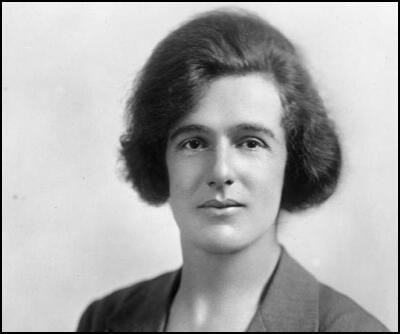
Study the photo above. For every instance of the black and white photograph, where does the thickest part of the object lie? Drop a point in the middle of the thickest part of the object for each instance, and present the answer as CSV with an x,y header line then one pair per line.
x,y
200,167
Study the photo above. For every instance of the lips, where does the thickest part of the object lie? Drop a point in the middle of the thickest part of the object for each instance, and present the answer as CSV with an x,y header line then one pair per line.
x,y
220,204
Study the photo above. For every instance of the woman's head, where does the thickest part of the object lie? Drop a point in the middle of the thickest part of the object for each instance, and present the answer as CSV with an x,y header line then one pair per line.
x,y
239,49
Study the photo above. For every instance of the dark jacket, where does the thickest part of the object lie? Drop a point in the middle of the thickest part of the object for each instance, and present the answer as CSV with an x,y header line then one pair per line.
x,y
293,301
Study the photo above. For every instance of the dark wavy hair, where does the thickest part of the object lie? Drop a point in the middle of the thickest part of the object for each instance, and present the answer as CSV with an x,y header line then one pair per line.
x,y
223,43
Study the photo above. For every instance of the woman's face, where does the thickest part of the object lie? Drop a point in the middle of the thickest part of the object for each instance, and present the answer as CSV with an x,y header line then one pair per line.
x,y
232,146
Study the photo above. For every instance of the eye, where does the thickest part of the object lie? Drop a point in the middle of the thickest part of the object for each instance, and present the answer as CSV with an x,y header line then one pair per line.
x,y
253,144
193,144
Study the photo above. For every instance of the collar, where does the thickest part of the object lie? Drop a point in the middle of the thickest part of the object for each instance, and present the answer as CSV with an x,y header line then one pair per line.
x,y
289,302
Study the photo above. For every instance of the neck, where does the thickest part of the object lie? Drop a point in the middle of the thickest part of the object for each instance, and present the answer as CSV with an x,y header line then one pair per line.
x,y
213,280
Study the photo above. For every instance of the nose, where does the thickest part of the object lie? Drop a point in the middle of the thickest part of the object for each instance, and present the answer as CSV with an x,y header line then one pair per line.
x,y
221,170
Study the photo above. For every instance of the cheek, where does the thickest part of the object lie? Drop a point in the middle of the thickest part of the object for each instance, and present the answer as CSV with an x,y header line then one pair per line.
x,y
266,181
184,176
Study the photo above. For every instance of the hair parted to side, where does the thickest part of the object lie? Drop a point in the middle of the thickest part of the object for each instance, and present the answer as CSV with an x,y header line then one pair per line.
x,y
221,43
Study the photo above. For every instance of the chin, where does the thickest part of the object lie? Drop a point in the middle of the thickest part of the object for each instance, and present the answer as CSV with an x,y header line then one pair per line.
x,y
224,240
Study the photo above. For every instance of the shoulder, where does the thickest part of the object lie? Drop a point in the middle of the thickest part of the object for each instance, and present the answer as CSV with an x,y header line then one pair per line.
x,y
97,315
324,308
338,313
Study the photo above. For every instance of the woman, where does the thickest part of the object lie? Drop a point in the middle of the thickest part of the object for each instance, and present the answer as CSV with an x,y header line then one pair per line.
x,y
226,126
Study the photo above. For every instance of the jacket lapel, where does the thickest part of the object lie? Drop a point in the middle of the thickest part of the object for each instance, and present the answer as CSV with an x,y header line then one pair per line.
x,y
146,310
290,301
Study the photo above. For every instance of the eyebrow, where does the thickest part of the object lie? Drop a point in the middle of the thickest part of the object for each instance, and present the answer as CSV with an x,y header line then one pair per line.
x,y
252,127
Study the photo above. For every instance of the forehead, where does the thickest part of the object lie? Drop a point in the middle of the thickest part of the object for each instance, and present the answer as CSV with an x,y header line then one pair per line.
x,y
233,100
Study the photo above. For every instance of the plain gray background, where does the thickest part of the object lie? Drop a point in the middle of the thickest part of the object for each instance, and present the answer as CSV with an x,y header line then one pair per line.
x,y
74,231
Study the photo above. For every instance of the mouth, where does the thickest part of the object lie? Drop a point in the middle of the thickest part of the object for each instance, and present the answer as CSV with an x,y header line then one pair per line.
x,y
221,205
220,212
